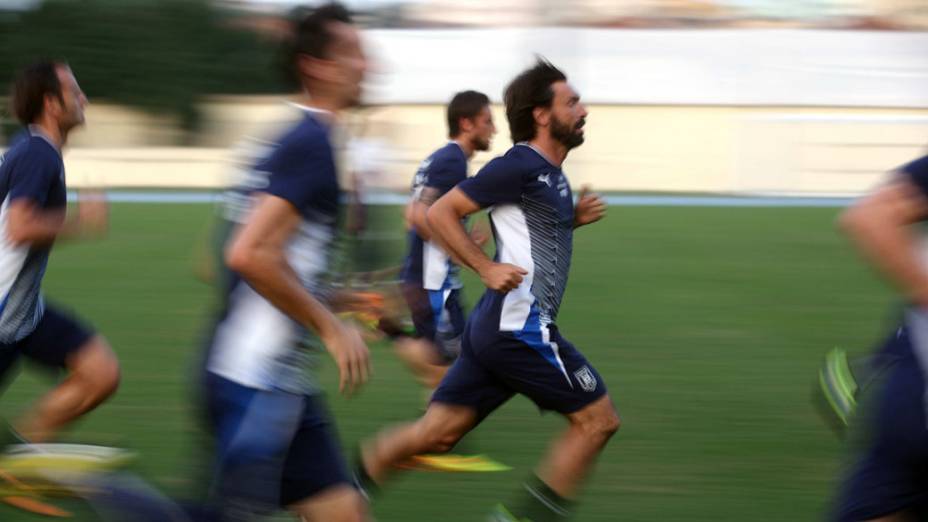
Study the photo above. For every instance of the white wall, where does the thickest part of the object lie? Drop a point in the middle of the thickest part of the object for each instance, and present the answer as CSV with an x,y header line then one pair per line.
x,y
773,67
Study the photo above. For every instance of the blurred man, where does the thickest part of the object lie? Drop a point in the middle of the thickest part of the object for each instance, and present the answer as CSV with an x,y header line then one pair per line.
x,y
275,443
431,284
510,343
47,99
887,481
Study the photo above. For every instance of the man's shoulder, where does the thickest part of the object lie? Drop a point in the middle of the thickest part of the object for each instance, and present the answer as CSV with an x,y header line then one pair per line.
x,y
449,156
918,167
514,162
35,148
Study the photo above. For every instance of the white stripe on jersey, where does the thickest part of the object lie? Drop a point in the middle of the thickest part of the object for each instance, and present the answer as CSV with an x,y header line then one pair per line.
x,y
514,246
12,257
251,339
917,321
257,345
436,266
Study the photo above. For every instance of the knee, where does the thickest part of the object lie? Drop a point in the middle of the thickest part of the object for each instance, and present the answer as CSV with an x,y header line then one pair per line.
x,y
441,443
356,515
601,426
106,378
97,369
611,424
438,440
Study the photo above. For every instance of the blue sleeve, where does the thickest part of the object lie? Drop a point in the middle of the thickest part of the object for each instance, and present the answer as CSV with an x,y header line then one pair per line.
x,y
33,175
918,173
445,175
499,181
297,173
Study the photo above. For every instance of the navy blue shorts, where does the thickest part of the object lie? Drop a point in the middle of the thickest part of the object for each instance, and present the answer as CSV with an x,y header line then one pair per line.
x,y
272,448
438,317
553,374
890,474
56,337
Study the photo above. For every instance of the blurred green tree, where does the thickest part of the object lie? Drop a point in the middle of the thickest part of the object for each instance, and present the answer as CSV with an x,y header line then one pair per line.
x,y
160,56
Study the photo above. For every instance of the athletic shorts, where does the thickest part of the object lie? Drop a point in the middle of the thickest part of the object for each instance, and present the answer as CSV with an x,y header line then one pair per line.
x,y
438,317
273,448
890,473
493,367
56,337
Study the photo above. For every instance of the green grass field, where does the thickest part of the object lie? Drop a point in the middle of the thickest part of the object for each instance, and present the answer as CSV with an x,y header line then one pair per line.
x,y
708,325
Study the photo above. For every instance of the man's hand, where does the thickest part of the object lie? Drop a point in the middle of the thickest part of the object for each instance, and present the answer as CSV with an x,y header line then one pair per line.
x,y
351,355
480,233
502,277
92,212
591,207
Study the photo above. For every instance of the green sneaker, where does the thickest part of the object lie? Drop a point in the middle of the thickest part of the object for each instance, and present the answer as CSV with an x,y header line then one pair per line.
x,y
501,514
838,390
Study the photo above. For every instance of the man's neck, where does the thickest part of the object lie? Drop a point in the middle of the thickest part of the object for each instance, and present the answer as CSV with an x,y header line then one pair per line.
x,y
319,103
552,150
50,131
465,145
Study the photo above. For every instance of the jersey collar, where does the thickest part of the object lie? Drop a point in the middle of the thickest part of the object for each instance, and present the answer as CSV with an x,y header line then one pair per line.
x,y
35,130
542,154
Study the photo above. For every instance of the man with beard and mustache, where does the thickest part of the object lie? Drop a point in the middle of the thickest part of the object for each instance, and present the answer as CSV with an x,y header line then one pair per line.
x,y
510,343
430,281
275,444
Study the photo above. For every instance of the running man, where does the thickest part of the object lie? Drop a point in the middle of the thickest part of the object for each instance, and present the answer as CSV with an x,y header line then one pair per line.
x,y
430,281
887,481
47,99
276,446
510,343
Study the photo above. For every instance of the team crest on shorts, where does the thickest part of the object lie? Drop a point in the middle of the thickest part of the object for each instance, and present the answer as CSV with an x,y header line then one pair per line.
x,y
586,379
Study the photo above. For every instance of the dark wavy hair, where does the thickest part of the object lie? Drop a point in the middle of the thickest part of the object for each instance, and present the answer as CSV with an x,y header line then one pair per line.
x,y
530,89
465,104
30,87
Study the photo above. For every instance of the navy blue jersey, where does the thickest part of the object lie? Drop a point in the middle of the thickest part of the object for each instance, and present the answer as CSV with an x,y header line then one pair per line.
x,y
532,215
511,343
31,169
255,344
889,475
917,171
427,265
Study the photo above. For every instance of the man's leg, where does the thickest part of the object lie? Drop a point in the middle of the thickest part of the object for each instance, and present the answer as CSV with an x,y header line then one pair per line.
x,y
316,484
886,481
419,356
571,456
342,503
551,372
253,431
92,374
436,432
468,393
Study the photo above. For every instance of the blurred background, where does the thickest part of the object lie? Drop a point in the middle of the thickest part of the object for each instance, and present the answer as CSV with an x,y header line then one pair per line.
x,y
727,133
735,96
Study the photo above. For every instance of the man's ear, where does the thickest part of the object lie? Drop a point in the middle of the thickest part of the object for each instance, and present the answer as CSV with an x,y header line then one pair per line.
x,y
318,68
52,105
542,116
465,125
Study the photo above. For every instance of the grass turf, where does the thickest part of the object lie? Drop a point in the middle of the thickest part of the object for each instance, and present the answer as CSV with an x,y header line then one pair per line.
x,y
708,325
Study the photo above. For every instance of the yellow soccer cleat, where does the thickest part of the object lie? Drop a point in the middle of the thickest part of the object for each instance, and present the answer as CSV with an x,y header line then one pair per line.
x,y
455,464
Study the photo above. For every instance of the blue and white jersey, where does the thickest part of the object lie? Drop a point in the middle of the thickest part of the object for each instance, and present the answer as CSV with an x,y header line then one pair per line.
x,y
254,343
427,265
31,169
532,214
916,318
917,172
